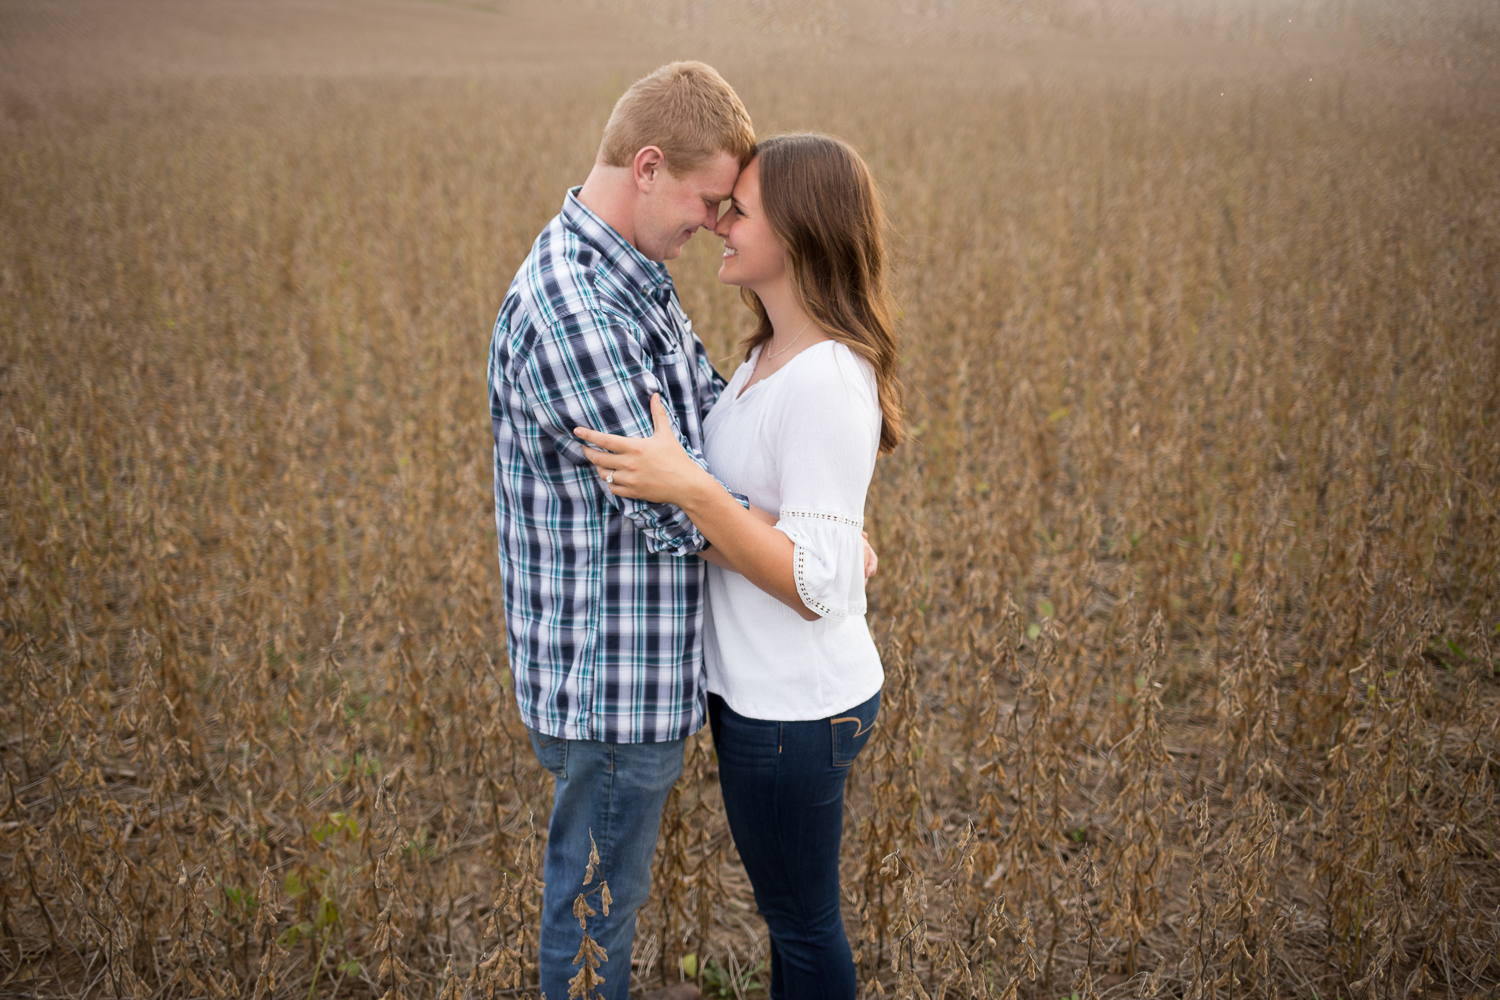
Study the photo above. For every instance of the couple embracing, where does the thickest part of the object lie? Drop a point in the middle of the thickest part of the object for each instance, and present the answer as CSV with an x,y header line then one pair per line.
x,y
676,550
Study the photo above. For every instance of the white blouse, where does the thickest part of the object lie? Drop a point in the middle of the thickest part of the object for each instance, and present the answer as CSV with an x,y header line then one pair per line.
x,y
801,442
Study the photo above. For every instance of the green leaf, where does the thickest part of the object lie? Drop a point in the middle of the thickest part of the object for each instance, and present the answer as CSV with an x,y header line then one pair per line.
x,y
335,823
295,933
690,966
1046,610
294,886
327,915
1033,630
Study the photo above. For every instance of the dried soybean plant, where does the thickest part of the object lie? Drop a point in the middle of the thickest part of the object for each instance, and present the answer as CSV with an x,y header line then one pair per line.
x,y
1188,599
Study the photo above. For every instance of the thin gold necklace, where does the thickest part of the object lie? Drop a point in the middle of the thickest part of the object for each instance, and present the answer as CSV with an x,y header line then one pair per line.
x,y
788,347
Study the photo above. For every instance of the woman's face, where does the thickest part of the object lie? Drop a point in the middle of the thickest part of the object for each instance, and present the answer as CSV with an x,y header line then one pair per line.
x,y
753,257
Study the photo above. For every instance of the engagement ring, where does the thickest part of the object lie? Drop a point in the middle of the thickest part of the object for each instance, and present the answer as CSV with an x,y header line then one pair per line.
x,y
610,479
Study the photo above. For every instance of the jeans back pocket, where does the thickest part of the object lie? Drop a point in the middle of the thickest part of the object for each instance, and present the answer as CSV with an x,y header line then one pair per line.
x,y
851,731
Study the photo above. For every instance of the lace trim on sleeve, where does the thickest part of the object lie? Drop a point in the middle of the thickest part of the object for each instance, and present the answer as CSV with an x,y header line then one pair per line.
x,y
818,515
799,570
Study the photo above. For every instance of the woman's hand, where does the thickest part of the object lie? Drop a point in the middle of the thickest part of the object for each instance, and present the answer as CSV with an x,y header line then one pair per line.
x,y
656,469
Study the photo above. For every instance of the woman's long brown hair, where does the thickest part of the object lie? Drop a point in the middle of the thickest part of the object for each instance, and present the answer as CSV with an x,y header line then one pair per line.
x,y
822,204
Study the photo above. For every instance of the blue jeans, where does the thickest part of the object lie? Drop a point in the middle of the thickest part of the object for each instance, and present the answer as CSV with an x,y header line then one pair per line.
x,y
614,792
783,786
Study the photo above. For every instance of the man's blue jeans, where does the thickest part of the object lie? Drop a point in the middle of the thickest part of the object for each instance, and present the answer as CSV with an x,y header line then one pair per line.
x,y
783,786
613,792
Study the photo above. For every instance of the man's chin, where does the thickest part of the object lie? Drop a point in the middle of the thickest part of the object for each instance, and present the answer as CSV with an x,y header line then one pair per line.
x,y
661,254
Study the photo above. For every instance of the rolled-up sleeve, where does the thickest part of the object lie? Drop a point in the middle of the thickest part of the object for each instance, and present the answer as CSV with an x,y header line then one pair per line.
x,y
827,440
592,369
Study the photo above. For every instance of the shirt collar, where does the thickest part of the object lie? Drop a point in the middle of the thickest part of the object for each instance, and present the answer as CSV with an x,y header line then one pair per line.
x,y
649,276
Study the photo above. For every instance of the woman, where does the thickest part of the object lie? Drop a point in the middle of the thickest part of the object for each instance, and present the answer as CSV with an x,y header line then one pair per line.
x,y
793,675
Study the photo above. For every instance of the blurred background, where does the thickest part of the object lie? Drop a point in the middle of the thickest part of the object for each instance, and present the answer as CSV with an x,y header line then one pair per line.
x,y
1188,597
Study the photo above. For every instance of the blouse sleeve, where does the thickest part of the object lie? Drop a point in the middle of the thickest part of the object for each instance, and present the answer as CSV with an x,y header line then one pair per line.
x,y
826,443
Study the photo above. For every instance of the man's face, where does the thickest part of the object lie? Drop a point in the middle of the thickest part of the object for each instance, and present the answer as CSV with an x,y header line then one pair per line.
x,y
672,208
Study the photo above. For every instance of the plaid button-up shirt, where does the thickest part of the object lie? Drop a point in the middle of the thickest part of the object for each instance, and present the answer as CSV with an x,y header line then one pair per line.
x,y
603,595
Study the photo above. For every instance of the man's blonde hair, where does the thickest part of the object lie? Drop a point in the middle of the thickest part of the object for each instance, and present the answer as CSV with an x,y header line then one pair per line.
x,y
687,111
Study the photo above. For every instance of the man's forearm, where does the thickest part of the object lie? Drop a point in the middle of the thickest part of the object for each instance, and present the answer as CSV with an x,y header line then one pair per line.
x,y
716,557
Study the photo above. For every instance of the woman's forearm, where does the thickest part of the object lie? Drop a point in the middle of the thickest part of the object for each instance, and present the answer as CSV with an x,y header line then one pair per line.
x,y
750,546
718,558
659,470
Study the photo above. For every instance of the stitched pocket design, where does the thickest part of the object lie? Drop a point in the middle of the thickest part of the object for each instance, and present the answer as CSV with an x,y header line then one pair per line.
x,y
850,734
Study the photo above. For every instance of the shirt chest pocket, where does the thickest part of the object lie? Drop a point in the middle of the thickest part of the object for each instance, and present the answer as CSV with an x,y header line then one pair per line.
x,y
667,354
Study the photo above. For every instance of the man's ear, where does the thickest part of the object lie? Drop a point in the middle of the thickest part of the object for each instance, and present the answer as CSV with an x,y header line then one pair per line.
x,y
648,165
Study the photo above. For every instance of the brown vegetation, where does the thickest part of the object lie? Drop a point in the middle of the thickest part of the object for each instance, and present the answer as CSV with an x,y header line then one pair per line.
x,y
1189,596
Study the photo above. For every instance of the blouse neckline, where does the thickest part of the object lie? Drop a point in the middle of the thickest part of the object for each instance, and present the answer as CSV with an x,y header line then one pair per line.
x,y
754,359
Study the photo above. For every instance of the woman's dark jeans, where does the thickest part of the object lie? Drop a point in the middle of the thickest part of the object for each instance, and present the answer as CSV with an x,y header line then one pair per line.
x,y
783,788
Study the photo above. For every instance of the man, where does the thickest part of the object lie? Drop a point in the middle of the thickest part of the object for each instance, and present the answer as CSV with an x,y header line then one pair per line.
x,y
603,595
